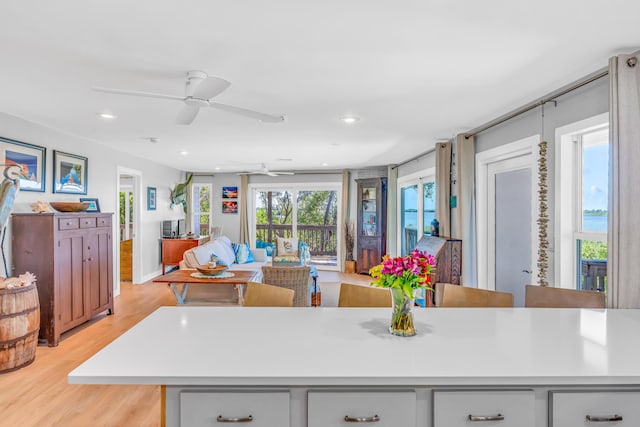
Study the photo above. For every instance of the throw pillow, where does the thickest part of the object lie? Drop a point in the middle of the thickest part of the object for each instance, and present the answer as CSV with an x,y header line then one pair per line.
x,y
221,248
287,247
243,253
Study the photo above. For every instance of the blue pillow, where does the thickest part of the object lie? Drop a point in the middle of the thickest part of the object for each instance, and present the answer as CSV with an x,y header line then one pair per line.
x,y
243,253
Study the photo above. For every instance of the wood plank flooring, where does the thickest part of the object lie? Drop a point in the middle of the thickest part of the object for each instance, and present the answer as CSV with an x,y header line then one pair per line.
x,y
40,396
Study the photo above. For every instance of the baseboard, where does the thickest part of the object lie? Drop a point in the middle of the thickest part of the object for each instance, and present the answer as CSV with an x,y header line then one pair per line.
x,y
152,275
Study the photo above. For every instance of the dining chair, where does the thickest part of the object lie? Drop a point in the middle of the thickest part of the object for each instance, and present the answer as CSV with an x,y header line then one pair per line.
x,y
448,295
363,296
262,295
296,278
550,297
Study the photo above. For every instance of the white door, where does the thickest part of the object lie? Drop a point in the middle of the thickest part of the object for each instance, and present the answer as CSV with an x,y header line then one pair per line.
x,y
506,203
512,234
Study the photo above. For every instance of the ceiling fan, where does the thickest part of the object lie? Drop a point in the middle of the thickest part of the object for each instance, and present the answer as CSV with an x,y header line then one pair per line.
x,y
264,171
200,90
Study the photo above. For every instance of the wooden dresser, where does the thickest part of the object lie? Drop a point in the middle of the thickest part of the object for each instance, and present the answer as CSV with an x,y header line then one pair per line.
x,y
71,255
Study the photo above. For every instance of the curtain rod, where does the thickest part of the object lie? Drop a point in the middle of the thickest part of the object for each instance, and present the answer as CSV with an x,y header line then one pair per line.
x,y
548,98
415,157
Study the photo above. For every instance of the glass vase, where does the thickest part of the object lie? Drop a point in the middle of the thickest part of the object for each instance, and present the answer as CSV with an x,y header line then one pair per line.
x,y
402,317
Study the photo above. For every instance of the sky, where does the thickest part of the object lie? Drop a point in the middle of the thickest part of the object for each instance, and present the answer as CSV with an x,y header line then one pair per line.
x,y
595,176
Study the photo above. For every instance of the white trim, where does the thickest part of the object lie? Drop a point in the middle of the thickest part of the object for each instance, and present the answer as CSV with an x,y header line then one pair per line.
x,y
136,263
523,154
252,189
565,259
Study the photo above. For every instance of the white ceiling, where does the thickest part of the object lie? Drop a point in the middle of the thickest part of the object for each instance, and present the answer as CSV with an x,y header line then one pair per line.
x,y
414,71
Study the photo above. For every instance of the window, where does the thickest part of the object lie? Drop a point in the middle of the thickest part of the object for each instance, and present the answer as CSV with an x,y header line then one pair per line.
x,y
310,213
582,183
416,208
201,209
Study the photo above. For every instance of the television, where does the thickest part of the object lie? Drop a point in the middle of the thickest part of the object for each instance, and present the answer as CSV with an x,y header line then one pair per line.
x,y
173,228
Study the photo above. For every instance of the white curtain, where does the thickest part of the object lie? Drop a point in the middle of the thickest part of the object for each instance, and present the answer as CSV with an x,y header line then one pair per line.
x,y
465,210
392,210
623,267
443,187
244,214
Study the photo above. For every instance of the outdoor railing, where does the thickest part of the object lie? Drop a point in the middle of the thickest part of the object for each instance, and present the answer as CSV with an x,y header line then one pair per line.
x,y
594,274
321,239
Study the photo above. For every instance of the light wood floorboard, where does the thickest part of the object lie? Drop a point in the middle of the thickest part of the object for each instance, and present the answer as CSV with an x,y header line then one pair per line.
x,y
40,396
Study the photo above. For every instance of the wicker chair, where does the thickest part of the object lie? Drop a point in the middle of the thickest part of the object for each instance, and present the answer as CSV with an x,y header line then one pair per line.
x,y
296,278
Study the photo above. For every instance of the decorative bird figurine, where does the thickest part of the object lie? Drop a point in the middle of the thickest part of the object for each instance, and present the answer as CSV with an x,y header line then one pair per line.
x,y
8,190
179,193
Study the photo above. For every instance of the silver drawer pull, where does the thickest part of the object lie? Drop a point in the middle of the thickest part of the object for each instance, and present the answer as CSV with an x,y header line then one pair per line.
x,y
498,417
222,419
604,419
373,419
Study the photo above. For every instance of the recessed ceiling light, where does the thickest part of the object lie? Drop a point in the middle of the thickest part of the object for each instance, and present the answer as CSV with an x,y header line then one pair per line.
x,y
217,168
285,160
184,152
325,164
107,116
349,119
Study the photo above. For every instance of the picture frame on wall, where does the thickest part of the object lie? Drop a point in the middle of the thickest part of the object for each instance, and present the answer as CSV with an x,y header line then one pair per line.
x,y
151,198
69,173
94,205
229,192
31,158
230,206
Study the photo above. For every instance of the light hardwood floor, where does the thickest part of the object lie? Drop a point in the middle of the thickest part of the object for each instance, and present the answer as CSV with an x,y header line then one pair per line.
x,y
40,396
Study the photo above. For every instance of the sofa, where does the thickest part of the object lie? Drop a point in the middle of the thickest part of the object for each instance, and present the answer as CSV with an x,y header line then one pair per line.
x,y
235,256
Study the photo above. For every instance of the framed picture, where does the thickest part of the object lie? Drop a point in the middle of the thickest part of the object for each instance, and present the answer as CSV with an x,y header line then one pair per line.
x,y
94,206
230,206
32,159
69,173
229,192
151,198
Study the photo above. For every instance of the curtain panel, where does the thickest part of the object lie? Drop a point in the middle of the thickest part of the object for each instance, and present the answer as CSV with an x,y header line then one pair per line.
x,y
465,210
244,214
623,267
443,187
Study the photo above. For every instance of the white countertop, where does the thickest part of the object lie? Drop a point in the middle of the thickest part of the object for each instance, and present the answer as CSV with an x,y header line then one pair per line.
x,y
343,346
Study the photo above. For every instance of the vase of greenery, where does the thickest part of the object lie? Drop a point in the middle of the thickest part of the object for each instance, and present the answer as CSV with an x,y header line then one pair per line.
x,y
403,276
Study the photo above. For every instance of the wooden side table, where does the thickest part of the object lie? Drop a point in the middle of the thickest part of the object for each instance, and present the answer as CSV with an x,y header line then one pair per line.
x,y
174,249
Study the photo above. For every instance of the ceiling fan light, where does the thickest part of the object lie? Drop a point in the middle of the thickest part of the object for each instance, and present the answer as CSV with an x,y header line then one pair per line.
x,y
184,152
106,115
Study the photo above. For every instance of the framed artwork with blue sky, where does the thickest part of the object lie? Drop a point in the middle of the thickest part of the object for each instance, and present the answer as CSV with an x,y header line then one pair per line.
x,y
31,158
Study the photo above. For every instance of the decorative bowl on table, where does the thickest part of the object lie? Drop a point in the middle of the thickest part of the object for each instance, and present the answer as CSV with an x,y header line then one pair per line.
x,y
212,271
70,206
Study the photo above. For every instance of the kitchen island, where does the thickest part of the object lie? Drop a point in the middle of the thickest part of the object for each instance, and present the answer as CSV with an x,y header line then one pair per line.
x,y
325,367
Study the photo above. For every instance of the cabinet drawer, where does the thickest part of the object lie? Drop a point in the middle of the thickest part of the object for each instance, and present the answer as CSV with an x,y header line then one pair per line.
x,y
504,408
89,222
203,408
382,409
104,221
68,223
601,408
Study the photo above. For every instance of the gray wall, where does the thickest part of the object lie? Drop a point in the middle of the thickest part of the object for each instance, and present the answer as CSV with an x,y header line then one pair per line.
x,y
588,101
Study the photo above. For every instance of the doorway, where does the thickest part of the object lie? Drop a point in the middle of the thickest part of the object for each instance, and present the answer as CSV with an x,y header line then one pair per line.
x,y
128,259
506,217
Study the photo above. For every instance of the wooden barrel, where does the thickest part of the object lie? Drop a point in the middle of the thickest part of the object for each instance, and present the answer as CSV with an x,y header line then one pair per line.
x,y
19,325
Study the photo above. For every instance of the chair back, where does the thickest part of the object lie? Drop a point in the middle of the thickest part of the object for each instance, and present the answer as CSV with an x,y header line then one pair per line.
x,y
261,295
549,297
461,296
296,278
363,296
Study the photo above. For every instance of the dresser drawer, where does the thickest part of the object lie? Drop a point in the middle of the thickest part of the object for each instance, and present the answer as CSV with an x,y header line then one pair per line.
x,y
201,408
379,409
104,221
504,408
68,223
88,222
601,408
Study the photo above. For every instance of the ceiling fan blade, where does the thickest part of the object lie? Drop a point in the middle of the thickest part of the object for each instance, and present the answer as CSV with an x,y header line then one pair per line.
x,y
137,93
187,115
284,173
269,118
210,87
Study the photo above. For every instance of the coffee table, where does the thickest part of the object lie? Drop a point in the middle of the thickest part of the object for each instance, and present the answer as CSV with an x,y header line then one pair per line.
x,y
179,281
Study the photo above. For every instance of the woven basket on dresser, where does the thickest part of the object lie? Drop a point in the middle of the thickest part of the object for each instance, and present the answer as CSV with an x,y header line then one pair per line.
x,y
296,278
